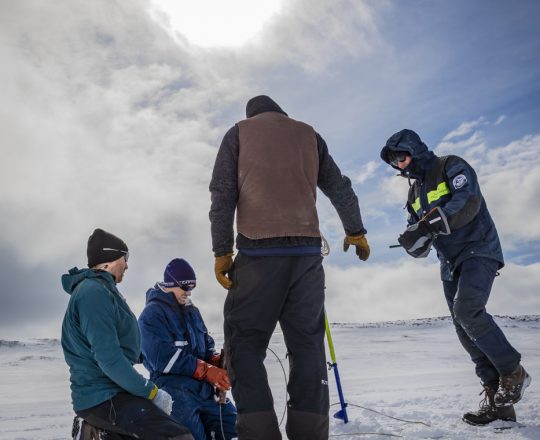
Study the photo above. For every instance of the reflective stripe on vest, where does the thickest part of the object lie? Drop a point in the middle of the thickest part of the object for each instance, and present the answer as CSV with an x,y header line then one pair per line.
x,y
416,205
436,194
432,196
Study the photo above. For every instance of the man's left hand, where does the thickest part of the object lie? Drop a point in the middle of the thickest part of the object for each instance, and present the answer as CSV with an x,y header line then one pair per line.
x,y
361,244
417,240
215,360
222,266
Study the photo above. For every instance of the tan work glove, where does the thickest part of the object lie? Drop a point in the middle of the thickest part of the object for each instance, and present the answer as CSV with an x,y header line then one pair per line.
x,y
362,246
222,266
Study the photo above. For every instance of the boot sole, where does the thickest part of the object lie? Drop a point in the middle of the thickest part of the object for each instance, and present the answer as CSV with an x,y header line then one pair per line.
x,y
468,422
526,383
505,419
475,424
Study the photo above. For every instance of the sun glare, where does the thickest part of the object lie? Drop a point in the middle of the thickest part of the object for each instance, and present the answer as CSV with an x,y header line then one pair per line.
x,y
215,23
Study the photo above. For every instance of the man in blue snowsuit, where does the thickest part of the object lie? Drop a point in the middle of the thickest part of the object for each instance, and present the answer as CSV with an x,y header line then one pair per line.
x,y
179,354
447,210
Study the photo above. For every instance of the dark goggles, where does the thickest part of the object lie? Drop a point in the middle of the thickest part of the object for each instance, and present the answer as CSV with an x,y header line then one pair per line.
x,y
395,157
187,285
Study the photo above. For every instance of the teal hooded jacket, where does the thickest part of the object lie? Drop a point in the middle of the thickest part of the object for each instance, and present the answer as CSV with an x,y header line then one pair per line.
x,y
101,340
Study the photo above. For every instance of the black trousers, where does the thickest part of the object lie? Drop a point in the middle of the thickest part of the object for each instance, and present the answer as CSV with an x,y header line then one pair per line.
x,y
482,338
129,416
268,290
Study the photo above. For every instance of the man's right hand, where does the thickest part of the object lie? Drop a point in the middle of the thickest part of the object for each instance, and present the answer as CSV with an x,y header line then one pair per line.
x,y
417,240
222,266
218,377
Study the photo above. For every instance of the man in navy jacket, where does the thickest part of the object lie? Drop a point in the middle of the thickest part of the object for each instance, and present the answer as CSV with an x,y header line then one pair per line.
x,y
447,211
180,356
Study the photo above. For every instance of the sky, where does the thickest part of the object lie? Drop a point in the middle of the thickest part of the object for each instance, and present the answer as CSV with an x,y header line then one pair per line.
x,y
112,112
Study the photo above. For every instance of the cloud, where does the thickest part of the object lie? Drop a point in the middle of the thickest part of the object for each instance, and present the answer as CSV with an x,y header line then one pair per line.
x,y
112,123
123,121
500,120
411,288
109,122
121,132
473,145
367,171
313,35
509,176
464,128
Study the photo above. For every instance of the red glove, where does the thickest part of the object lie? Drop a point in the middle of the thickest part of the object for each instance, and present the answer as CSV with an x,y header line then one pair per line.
x,y
215,360
218,377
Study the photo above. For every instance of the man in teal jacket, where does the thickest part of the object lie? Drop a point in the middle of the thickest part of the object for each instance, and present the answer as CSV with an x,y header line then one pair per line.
x,y
101,342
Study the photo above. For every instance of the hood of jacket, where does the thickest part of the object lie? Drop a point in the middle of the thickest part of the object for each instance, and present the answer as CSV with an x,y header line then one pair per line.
x,y
74,276
156,294
409,141
261,104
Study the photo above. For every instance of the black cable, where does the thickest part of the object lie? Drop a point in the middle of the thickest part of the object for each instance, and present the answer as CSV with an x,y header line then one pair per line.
x,y
221,421
333,404
385,415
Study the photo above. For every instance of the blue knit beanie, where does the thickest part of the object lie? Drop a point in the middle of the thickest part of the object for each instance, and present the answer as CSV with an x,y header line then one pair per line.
x,y
178,273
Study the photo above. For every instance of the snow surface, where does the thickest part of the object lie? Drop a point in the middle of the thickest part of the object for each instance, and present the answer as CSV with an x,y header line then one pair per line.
x,y
411,370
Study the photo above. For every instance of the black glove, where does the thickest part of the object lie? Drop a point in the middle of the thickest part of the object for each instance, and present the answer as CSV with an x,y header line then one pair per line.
x,y
435,220
417,240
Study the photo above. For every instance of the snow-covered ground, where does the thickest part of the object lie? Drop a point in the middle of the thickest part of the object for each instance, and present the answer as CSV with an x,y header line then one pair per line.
x,y
411,370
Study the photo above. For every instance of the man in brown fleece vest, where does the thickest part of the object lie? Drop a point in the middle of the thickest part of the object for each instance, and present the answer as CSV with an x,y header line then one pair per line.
x,y
267,172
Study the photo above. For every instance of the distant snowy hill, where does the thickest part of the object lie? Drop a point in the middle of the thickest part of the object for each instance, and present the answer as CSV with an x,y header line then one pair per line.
x,y
408,379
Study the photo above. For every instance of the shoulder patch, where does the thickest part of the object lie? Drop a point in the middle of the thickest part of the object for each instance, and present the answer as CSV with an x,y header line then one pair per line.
x,y
459,181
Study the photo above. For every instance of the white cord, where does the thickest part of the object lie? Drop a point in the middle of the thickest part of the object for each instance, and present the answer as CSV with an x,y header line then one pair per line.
x,y
325,247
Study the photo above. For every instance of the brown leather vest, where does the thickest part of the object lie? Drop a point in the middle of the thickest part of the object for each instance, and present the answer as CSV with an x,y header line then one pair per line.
x,y
278,166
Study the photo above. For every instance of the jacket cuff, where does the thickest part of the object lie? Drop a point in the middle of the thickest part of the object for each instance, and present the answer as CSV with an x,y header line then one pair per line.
x,y
221,253
153,392
362,231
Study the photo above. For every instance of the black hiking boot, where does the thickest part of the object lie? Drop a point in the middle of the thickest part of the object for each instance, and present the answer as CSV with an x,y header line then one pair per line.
x,y
488,412
512,387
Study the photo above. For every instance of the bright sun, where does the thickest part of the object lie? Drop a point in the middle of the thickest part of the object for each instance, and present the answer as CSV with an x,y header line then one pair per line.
x,y
212,23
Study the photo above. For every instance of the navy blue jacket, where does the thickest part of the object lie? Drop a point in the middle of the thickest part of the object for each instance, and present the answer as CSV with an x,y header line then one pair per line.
x,y
450,183
173,338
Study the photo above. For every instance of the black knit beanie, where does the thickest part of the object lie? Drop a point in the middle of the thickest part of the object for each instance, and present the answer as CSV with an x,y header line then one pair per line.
x,y
104,247
178,273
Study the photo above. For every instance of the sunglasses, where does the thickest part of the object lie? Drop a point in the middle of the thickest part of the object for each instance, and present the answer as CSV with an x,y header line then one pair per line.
x,y
188,286
126,253
397,158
